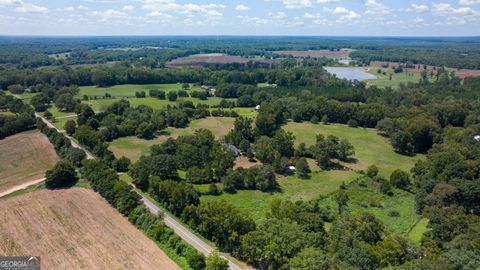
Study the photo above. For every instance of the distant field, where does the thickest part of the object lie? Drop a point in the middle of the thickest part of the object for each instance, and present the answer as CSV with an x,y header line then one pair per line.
x,y
370,199
203,59
133,147
157,104
370,148
75,229
384,81
128,90
25,157
461,73
344,53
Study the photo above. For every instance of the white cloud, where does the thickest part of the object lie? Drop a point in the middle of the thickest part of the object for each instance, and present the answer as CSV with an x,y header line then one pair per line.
x,y
128,8
444,9
82,7
297,3
418,8
31,8
66,9
108,15
326,1
242,8
23,7
376,8
469,2
347,15
189,9
312,16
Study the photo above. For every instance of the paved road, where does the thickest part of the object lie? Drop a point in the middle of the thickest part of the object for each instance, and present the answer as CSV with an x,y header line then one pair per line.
x,y
185,234
74,144
179,229
20,187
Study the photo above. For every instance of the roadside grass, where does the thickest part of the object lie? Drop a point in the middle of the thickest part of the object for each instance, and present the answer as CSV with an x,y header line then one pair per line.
x,y
57,113
384,81
29,189
418,230
60,122
128,90
370,148
133,147
369,199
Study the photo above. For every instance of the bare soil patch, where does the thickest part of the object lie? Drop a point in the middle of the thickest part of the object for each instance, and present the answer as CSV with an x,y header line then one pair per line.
x,y
213,59
461,73
75,229
243,162
24,157
316,54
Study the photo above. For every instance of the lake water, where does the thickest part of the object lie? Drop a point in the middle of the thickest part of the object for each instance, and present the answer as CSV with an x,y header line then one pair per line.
x,y
351,73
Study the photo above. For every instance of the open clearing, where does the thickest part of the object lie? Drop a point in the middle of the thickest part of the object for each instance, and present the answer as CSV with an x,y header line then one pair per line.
x,y
24,157
207,59
128,90
256,203
384,81
461,73
133,147
370,148
75,229
368,198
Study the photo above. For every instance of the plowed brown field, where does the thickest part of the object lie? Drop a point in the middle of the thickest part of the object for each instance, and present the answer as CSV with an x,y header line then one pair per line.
x,y
75,229
25,157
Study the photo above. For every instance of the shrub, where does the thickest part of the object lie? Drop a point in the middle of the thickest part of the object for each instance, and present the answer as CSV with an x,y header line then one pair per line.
x,y
62,175
372,171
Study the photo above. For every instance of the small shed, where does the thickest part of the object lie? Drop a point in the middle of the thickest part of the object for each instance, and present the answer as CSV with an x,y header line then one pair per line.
x,y
257,107
292,168
476,138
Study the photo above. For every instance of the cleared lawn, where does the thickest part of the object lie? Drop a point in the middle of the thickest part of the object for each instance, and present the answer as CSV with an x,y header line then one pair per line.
x,y
133,147
370,199
418,230
75,229
384,81
128,90
157,104
256,203
370,148
24,157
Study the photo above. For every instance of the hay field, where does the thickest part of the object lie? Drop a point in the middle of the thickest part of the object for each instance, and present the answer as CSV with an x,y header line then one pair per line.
x,y
75,229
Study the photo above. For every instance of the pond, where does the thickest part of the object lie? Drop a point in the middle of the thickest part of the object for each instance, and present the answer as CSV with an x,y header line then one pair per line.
x,y
351,73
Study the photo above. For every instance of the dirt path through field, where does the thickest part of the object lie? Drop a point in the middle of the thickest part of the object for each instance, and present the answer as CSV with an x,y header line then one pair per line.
x,y
21,186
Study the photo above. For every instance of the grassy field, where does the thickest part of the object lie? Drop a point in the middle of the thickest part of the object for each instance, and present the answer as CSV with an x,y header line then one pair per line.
x,y
133,147
76,229
205,55
256,203
128,90
370,148
418,230
25,157
157,104
369,199
384,81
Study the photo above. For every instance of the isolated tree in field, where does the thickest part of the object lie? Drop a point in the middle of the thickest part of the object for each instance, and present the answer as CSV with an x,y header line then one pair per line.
x,y
302,167
185,86
314,119
341,198
172,96
214,262
400,179
40,102
66,102
70,127
47,114
62,175
372,171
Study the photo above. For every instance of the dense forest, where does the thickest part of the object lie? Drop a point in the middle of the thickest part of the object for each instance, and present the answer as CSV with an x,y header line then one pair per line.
x,y
438,117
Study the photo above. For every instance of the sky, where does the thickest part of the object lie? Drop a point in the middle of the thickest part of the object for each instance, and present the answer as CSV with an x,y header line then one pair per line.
x,y
241,17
